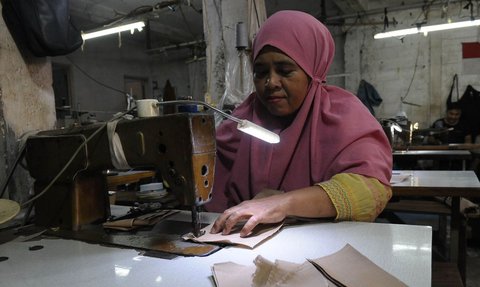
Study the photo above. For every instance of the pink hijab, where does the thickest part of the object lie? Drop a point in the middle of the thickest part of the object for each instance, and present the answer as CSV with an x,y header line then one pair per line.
x,y
333,132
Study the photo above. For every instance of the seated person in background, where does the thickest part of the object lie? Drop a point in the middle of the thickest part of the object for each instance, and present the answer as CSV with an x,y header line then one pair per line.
x,y
333,159
451,129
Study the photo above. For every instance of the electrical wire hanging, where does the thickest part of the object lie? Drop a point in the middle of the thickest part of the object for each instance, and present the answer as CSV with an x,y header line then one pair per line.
x,y
10,174
92,78
411,80
83,144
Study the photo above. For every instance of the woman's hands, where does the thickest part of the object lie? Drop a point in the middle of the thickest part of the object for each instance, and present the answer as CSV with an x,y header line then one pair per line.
x,y
269,209
312,202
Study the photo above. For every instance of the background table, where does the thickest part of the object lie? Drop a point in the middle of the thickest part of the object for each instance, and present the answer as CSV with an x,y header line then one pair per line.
x,y
454,184
402,250
455,146
438,155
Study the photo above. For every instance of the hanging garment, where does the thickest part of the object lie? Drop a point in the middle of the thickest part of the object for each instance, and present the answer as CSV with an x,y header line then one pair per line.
x,y
453,88
470,104
369,96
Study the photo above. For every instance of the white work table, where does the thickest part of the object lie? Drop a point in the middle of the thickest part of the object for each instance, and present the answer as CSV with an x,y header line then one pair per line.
x,y
402,250
437,183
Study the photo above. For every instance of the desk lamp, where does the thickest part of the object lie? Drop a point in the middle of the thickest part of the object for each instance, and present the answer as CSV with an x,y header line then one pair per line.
x,y
243,125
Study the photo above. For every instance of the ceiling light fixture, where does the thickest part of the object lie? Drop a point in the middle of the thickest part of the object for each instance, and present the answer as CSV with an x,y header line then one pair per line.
x,y
117,29
426,29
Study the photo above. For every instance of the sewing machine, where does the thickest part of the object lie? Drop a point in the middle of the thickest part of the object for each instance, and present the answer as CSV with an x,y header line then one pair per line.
x,y
181,146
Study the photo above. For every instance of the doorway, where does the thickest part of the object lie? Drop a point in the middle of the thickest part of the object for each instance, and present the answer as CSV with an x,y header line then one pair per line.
x,y
136,87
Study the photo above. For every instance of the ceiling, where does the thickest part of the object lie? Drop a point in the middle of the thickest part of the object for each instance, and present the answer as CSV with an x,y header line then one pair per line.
x,y
180,21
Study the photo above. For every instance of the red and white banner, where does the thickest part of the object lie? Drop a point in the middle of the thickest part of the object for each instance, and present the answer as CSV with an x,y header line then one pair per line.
x,y
471,58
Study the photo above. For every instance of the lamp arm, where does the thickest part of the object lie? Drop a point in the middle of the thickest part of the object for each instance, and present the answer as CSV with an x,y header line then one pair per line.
x,y
202,104
243,125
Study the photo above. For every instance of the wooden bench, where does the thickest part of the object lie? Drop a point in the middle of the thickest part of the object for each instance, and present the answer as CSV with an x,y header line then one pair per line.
x,y
418,206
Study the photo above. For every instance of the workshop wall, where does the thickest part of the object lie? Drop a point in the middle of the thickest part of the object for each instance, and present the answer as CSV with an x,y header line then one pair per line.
x,y
97,70
219,20
418,68
26,105
108,64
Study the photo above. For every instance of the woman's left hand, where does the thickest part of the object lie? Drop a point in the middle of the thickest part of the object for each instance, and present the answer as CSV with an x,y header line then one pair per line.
x,y
270,209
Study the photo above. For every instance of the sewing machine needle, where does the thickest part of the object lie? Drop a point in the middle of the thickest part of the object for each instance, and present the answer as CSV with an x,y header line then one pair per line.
x,y
196,221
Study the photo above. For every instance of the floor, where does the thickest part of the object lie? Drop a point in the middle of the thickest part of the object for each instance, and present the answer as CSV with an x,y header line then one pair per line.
x,y
473,266
473,255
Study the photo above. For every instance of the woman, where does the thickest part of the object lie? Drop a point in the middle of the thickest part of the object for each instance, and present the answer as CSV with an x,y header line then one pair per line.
x,y
333,159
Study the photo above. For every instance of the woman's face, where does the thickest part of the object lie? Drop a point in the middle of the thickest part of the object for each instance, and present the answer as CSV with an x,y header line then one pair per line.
x,y
280,83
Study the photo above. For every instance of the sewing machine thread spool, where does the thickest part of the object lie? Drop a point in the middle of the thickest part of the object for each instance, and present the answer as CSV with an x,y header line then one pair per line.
x,y
147,108
241,36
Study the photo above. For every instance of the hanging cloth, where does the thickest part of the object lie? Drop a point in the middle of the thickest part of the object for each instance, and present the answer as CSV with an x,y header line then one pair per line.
x,y
369,96
470,105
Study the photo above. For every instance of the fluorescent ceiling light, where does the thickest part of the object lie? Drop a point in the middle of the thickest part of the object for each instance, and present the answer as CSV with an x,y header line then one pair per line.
x,y
117,29
426,29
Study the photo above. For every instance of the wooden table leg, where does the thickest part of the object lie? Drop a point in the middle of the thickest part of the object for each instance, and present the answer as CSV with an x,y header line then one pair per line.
x,y
457,238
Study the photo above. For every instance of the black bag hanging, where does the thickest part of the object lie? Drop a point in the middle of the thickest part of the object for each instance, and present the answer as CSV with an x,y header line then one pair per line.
x,y
44,26
470,105
454,84
369,96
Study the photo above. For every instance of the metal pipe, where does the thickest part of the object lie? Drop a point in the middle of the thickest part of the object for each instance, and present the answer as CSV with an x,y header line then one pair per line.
x,y
235,119
381,10
176,46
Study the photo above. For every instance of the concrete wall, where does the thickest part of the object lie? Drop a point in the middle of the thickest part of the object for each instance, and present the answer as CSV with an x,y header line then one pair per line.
x,y
26,105
219,19
418,68
336,74
107,63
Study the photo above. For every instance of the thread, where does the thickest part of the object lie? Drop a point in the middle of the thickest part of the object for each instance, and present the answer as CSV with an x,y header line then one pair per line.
x,y
242,38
